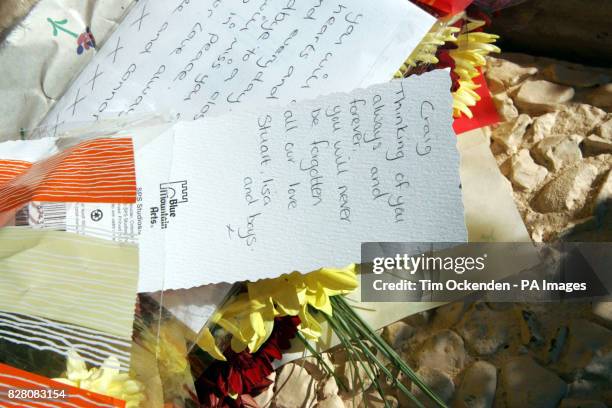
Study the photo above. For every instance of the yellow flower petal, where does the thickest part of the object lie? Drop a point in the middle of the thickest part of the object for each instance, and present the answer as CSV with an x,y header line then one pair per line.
x,y
263,324
320,301
66,381
206,341
469,56
106,381
237,345
288,301
334,281
309,326
249,317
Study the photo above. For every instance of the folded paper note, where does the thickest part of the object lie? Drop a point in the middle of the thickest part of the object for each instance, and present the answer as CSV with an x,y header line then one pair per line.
x,y
257,194
198,58
40,56
263,192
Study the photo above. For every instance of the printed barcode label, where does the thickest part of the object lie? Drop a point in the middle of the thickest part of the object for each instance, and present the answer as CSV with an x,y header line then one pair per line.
x,y
115,222
53,215
45,215
22,217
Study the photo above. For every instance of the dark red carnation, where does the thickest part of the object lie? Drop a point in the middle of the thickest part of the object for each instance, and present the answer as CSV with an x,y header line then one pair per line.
x,y
244,374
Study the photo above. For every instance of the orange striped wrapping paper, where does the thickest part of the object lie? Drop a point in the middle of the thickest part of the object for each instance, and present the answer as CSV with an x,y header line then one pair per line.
x,y
99,171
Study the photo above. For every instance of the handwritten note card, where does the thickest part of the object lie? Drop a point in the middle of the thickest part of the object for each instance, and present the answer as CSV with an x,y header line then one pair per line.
x,y
197,58
259,193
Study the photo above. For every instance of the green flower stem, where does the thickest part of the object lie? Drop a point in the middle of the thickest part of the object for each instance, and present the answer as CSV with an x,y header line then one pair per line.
x,y
386,371
321,361
345,340
340,305
364,352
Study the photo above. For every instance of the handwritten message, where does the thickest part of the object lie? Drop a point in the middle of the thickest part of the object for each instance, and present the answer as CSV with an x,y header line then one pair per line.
x,y
264,192
198,58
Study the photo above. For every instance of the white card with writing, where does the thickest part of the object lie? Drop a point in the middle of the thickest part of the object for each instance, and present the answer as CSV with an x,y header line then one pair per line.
x,y
198,58
259,193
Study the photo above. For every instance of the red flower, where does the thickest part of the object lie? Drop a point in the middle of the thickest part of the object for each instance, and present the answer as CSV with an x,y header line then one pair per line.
x,y
446,7
232,383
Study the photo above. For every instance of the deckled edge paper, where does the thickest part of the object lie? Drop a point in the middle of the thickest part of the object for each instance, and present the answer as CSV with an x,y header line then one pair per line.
x,y
206,57
38,62
224,201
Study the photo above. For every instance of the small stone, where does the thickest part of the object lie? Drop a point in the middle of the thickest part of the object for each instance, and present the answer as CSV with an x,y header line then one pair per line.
x,y
542,126
505,106
501,306
391,401
525,173
444,351
439,382
594,145
315,368
354,377
419,319
527,384
589,350
606,396
568,191
557,343
295,388
329,388
502,74
577,119
531,330
448,315
576,403
604,195
604,129
372,399
581,78
352,402
557,152
601,366
477,389
264,399
485,330
510,134
601,97
581,389
397,334
542,96
333,401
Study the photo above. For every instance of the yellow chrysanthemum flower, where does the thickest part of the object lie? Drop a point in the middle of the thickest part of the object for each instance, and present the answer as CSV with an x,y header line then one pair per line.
x,y
249,317
107,380
169,346
425,53
469,57
206,342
